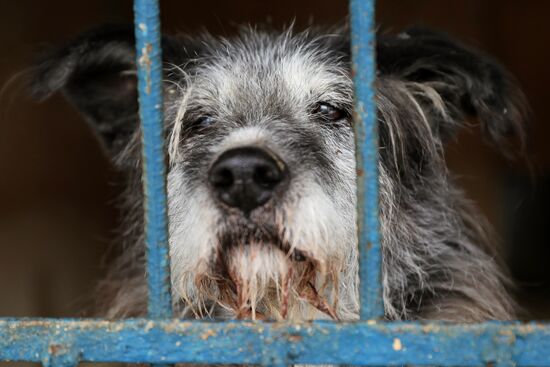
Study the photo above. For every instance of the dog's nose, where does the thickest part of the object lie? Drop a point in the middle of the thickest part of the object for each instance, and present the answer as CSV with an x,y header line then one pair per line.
x,y
247,177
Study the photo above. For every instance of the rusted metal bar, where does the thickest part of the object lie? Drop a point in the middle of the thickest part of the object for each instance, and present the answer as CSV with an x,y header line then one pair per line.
x,y
148,53
361,343
366,137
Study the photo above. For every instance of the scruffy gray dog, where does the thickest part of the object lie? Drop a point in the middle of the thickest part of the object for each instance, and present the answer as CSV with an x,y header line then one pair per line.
x,y
262,178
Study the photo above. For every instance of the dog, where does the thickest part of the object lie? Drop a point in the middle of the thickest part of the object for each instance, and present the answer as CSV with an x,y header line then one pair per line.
x,y
262,177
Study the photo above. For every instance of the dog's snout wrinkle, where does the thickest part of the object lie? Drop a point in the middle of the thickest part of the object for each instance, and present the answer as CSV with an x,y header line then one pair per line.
x,y
246,177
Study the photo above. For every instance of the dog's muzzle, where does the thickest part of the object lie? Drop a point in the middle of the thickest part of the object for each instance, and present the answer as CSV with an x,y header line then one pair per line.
x,y
247,177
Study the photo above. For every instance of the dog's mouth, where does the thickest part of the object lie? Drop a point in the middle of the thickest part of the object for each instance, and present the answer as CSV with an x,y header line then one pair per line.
x,y
260,275
243,232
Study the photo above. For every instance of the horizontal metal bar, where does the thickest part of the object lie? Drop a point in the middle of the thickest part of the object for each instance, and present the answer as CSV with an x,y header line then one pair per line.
x,y
361,343
149,65
366,138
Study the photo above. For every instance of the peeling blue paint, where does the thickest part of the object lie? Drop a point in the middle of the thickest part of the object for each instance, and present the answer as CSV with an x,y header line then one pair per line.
x,y
361,343
149,62
366,137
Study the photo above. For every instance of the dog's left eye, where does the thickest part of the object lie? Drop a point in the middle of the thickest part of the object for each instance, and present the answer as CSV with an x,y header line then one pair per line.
x,y
328,112
204,121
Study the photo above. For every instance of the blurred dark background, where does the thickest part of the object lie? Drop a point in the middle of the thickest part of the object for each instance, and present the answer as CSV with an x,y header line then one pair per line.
x,y
56,213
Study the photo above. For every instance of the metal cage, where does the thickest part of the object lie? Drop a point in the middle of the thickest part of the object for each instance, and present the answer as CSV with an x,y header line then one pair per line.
x,y
160,339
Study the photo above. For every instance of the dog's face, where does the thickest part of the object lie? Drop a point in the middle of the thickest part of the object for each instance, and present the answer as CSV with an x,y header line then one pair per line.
x,y
261,179
262,176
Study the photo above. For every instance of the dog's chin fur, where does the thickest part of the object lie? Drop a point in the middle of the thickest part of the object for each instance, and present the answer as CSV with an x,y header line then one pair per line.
x,y
262,282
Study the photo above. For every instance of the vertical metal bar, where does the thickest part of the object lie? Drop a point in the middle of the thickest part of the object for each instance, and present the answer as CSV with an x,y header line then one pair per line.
x,y
149,62
366,136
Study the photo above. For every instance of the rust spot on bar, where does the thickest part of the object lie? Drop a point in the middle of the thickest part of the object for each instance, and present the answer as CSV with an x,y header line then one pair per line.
x,y
145,62
56,349
295,338
207,334
430,328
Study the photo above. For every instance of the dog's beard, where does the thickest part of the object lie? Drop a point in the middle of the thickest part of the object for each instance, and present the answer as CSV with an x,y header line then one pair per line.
x,y
297,261
257,274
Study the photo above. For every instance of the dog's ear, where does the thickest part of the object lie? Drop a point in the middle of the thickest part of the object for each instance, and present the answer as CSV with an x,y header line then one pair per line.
x,y
97,73
468,83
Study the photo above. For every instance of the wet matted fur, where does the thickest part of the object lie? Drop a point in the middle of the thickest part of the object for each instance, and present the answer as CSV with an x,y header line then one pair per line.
x,y
291,94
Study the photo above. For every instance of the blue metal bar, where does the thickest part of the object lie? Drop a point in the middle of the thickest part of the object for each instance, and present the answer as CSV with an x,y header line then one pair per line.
x,y
149,62
366,137
361,343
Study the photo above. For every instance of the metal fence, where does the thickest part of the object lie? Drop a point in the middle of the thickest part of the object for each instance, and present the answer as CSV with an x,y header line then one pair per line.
x,y
159,339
